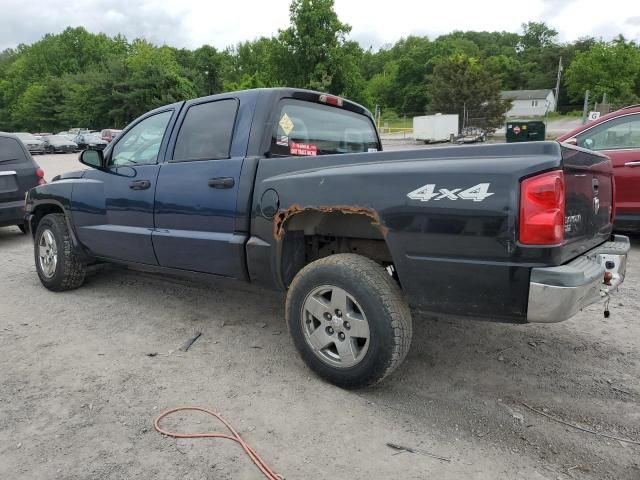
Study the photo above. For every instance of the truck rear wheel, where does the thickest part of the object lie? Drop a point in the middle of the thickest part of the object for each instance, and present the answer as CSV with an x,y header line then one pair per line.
x,y
57,263
348,320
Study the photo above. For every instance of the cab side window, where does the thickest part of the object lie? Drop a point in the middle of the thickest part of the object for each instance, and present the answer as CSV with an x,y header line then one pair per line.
x,y
619,133
141,144
206,131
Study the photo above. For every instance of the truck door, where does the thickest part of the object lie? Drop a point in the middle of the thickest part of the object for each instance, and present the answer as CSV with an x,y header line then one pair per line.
x,y
195,205
113,207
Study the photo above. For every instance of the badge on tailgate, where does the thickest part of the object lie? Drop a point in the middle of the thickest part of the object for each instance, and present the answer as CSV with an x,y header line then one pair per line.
x,y
477,193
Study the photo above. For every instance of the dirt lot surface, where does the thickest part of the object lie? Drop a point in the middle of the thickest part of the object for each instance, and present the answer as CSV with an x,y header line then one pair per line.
x,y
78,391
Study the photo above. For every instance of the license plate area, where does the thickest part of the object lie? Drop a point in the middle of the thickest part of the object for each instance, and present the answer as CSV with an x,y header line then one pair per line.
x,y
8,182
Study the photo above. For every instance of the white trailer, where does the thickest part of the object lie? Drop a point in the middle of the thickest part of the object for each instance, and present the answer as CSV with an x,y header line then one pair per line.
x,y
435,128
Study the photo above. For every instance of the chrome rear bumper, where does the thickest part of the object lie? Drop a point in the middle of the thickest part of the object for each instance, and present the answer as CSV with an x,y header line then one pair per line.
x,y
558,293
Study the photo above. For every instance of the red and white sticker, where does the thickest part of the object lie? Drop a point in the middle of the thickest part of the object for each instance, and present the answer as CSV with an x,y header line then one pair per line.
x,y
516,129
308,149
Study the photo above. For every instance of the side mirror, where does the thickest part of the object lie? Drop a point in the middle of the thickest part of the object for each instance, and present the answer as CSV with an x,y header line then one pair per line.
x,y
92,158
571,141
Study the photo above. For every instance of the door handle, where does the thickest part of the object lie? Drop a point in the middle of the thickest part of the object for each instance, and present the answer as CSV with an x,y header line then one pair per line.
x,y
140,185
632,164
222,182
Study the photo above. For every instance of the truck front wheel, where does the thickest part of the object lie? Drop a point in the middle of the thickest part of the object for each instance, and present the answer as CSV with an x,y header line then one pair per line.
x,y
348,320
57,263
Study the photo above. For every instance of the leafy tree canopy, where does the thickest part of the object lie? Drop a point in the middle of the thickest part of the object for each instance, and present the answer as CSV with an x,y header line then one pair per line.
x,y
463,85
606,67
80,79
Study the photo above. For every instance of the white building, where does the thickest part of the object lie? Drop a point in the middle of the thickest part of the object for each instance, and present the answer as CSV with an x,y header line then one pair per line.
x,y
528,103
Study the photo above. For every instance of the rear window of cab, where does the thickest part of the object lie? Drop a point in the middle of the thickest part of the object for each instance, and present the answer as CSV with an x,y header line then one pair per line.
x,y
308,129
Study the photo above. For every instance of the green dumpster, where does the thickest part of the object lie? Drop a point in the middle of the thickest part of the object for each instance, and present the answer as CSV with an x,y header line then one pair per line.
x,y
525,131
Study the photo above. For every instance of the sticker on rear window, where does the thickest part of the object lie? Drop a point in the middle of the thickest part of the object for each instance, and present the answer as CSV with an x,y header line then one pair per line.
x,y
282,140
286,124
303,149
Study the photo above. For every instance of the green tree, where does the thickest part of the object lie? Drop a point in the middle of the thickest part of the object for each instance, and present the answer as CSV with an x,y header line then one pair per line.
x,y
154,78
537,35
607,67
462,85
253,64
207,65
315,53
38,107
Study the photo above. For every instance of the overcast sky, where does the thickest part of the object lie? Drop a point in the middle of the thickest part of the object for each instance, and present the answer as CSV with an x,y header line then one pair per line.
x,y
191,23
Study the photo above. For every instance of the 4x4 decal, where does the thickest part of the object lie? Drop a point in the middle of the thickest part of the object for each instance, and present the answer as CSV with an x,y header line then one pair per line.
x,y
477,193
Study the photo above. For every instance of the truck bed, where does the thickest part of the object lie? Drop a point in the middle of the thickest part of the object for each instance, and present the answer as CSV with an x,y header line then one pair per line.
x,y
451,254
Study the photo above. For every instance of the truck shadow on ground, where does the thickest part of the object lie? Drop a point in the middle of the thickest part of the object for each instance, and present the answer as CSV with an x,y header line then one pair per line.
x,y
11,235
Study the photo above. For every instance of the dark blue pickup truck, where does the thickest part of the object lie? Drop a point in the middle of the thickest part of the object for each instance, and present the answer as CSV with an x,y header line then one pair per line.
x,y
289,189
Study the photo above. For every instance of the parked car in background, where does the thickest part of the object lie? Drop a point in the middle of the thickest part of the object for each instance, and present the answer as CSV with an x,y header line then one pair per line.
x,y
91,141
33,144
18,173
617,135
59,144
68,135
471,135
108,134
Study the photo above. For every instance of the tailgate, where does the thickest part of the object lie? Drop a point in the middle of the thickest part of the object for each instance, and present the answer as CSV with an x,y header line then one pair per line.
x,y
9,189
17,170
588,195
15,180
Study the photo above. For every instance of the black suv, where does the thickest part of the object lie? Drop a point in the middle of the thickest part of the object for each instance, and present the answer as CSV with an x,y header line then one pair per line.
x,y
18,173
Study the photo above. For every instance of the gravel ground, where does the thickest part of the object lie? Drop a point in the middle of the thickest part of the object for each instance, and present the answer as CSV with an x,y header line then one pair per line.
x,y
78,391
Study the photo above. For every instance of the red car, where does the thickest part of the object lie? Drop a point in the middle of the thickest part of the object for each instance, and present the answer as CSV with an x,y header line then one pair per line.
x,y
617,135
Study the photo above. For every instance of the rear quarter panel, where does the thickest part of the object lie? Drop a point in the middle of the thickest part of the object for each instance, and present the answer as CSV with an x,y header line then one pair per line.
x,y
451,255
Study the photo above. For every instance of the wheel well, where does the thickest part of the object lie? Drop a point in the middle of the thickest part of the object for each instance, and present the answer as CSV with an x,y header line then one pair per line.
x,y
40,212
312,234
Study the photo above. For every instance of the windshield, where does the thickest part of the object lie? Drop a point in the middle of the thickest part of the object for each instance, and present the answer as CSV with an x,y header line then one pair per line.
x,y
309,129
92,137
58,137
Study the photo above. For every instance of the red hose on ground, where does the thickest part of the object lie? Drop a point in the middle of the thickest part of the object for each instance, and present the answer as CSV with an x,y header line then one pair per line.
x,y
262,466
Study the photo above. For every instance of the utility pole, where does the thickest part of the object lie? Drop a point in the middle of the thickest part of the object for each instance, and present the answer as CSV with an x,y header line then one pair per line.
x,y
585,108
558,84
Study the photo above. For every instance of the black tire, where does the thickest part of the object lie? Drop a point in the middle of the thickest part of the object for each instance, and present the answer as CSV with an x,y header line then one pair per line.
x,y
70,270
382,304
23,227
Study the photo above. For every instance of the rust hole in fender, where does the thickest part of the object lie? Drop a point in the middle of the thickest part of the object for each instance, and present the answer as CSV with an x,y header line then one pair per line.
x,y
283,215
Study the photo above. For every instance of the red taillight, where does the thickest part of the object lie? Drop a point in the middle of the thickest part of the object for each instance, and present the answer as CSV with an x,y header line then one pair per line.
x,y
40,175
331,100
542,209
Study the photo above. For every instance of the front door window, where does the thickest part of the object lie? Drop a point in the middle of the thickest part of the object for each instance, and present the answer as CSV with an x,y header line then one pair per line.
x,y
141,144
